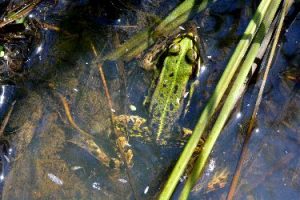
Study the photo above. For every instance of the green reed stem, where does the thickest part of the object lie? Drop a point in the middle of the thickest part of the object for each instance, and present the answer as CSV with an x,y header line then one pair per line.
x,y
231,100
141,41
215,99
244,152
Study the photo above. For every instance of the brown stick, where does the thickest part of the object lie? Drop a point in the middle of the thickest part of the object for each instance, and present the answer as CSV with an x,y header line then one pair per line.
x,y
105,87
126,155
70,118
86,139
103,79
6,119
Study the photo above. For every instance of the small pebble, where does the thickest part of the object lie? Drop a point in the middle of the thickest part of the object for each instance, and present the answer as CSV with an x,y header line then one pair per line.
x,y
132,108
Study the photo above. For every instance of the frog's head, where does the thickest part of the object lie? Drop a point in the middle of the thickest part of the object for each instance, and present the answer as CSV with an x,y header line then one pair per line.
x,y
191,50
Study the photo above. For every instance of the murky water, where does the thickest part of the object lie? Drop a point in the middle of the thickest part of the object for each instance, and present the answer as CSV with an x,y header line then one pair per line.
x,y
49,157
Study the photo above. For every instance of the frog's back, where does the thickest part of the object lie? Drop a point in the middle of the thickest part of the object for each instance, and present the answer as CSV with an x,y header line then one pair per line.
x,y
167,100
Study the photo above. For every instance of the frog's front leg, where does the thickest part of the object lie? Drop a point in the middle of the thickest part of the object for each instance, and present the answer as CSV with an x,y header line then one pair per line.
x,y
186,134
194,84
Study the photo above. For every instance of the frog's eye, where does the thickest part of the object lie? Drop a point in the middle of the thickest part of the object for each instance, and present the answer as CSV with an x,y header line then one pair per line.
x,y
191,56
174,48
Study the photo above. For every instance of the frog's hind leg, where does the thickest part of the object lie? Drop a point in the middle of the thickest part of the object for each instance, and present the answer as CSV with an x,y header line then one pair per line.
x,y
147,99
190,94
96,151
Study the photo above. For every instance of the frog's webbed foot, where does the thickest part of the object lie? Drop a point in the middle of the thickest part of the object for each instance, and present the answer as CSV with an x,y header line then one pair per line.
x,y
151,58
125,150
186,133
147,99
193,86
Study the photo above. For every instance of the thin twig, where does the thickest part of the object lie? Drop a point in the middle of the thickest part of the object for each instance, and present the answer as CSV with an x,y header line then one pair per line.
x,y
70,118
6,119
105,87
244,153
52,27
86,139
121,139
109,100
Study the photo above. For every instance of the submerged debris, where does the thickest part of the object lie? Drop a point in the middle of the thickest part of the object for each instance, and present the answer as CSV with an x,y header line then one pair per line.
x,y
55,179
96,186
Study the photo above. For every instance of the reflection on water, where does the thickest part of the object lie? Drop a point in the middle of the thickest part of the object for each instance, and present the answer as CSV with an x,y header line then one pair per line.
x,y
48,163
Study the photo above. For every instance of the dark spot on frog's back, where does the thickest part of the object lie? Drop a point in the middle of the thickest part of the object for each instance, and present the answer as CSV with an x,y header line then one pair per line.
x,y
157,115
175,89
164,85
171,107
154,126
171,74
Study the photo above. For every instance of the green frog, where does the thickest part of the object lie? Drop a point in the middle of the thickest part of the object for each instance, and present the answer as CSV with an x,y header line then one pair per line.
x,y
168,96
